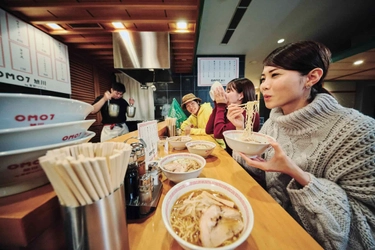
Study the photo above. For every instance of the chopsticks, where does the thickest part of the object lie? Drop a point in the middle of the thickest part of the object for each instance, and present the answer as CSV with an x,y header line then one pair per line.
x,y
84,173
241,105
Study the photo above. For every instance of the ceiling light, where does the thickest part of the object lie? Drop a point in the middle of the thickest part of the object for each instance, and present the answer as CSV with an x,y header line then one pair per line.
x,y
54,26
358,62
118,25
182,25
281,40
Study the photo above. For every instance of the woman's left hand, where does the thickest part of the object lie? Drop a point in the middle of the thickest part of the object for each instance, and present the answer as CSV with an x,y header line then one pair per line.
x,y
280,162
235,116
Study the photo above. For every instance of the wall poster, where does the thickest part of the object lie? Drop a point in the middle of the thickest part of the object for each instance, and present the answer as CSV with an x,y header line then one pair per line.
x,y
221,69
31,58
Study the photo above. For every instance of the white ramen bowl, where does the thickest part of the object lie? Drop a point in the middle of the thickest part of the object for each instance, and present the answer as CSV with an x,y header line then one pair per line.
x,y
202,148
209,184
214,86
181,176
250,148
24,110
178,142
19,138
20,170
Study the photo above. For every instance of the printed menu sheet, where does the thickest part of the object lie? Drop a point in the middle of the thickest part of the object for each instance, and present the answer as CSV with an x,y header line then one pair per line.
x,y
221,69
31,58
148,131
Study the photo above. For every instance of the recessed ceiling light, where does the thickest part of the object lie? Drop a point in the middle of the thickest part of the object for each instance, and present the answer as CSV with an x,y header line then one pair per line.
x,y
118,25
54,26
182,25
281,40
358,62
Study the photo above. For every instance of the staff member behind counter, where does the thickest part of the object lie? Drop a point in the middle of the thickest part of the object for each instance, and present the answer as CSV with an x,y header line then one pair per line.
x,y
113,109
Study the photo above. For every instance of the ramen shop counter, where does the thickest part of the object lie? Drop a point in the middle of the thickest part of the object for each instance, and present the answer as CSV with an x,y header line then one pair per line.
x,y
273,227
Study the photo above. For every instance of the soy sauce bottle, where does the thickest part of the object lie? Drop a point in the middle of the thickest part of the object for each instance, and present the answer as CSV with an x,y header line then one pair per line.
x,y
132,180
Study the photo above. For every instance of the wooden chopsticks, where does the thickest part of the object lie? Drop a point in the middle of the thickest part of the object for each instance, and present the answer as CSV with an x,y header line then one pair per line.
x,y
84,173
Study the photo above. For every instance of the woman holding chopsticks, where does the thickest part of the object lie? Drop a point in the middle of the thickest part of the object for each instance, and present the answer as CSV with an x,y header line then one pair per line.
x,y
238,91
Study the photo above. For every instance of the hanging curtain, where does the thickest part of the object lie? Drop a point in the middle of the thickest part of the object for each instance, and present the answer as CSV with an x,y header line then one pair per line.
x,y
144,98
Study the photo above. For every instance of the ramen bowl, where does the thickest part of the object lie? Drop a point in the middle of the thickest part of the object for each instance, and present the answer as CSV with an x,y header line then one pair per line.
x,y
20,170
218,186
202,148
24,110
177,176
178,142
19,138
252,148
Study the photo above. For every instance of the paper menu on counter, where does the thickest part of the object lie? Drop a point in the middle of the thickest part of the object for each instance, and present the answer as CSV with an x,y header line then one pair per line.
x,y
148,131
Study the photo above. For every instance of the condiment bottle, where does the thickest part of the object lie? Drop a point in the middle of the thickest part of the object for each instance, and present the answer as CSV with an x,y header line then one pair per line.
x,y
131,180
145,193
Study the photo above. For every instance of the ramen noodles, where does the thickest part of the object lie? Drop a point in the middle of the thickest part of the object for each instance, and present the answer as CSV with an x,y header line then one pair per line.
x,y
206,218
182,165
201,146
251,109
181,139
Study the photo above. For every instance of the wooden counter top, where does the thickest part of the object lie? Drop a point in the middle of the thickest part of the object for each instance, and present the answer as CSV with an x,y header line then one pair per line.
x,y
38,210
273,227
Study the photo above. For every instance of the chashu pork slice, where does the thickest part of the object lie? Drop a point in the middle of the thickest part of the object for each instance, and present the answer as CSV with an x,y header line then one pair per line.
x,y
218,224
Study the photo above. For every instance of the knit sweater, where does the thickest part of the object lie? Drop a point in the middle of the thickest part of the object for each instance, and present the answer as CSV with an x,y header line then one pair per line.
x,y
336,145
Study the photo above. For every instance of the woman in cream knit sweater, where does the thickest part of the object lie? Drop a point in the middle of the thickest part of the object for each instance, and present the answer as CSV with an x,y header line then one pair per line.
x,y
321,166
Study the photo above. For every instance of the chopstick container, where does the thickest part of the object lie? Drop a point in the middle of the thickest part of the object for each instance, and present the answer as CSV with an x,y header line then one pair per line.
x,y
100,225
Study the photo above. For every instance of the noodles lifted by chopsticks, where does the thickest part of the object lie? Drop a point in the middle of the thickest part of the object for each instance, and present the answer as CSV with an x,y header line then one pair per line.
x,y
251,109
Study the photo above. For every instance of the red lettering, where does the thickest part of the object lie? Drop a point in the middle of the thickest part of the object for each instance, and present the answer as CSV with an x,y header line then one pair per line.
x,y
70,137
19,118
43,117
23,165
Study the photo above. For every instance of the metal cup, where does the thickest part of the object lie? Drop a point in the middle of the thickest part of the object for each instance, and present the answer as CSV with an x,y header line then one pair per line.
x,y
130,111
100,225
113,110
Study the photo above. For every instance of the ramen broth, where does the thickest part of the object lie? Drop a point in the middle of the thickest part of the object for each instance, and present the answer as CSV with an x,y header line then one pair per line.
x,y
193,214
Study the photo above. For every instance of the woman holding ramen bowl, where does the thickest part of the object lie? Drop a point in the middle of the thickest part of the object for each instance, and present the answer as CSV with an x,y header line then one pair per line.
x,y
321,166
238,91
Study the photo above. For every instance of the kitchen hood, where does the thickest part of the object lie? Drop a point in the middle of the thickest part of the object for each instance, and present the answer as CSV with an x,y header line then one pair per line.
x,y
144,56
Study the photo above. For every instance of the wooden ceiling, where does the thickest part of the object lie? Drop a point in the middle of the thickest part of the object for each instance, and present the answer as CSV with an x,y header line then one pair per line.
x,y
87,24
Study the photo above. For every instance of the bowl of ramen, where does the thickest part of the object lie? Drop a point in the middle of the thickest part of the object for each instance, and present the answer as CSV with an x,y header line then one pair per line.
x,y
182,166
178,142
202,148
25,110
205,213
20,170
252,146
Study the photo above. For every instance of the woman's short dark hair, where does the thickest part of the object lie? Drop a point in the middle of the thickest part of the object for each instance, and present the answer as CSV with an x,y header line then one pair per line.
x,y
303,57
245,86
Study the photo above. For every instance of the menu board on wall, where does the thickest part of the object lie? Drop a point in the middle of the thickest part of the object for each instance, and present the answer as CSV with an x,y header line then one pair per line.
x,y
221,69
31,58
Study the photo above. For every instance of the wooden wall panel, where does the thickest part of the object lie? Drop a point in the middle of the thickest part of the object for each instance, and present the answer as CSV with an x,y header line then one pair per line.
x,y
88,81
